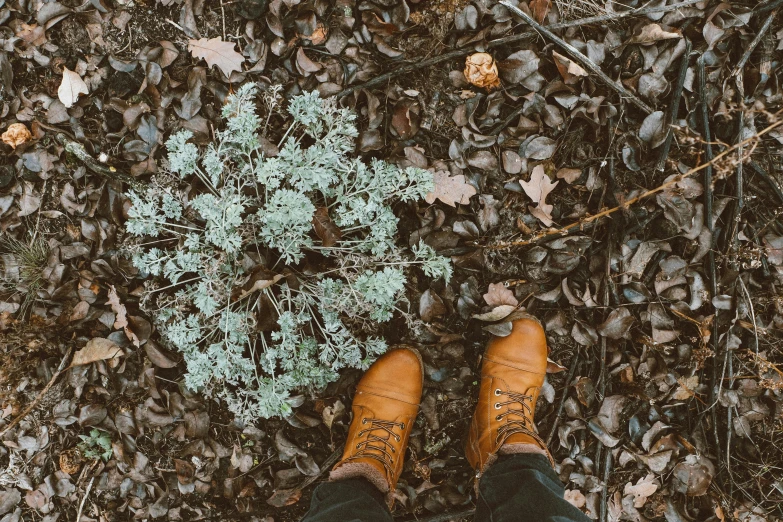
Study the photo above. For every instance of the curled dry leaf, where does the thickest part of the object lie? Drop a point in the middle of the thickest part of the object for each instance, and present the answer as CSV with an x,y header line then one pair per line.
x,y
482,71
498,313
16,134
217,52
325,228
643,488
71,87
651,33
450,189
569,69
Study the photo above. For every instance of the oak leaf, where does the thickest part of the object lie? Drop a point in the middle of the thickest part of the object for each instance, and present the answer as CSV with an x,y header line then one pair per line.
x,y
71,87
121,320
217,52
538,188
450,189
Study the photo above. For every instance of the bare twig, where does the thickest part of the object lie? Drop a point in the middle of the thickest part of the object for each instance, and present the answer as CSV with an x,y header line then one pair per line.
x,y
508,40
762,31
571,373
595,217
77,149
766,177
84,499
583,60
327,464
675,106
708,196
605,491
449,515
40,396
765,8
740,203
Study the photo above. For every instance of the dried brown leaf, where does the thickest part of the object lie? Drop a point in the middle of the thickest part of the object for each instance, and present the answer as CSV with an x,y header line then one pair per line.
x,y
97,349
325,228
498,294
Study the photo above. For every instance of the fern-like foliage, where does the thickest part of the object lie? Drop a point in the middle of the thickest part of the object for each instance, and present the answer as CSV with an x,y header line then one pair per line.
x,y
228,213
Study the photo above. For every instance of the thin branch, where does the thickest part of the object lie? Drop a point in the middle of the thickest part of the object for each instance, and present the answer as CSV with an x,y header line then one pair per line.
x,y
605,491
583,60
753,44
767,178
595,217
84,499
569,378
508,40
77,149
40,396
675,106
765,8
708,196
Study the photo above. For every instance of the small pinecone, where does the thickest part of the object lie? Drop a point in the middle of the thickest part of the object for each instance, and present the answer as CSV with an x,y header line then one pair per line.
x,y
71,461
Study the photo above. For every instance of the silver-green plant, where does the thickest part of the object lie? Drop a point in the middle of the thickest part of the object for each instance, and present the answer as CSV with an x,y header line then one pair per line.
x,y
221,214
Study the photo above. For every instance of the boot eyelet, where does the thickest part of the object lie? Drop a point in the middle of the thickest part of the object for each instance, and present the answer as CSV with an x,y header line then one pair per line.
x,y
497,405
498,418
358,446
497,392
402,426
364,421
398,438
394,450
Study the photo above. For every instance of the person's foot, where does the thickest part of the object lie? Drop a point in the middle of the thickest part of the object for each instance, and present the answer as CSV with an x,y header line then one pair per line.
x,y
512,374
384,408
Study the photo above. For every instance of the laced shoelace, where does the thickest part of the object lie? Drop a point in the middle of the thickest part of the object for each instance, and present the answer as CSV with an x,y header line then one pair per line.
x,y
512,426
367,449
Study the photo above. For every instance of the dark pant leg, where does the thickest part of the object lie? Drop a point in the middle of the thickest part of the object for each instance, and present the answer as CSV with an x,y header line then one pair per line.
x,y
350,500
524,488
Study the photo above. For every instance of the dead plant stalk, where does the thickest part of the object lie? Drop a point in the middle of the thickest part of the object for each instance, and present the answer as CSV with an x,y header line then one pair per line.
x,y
564,231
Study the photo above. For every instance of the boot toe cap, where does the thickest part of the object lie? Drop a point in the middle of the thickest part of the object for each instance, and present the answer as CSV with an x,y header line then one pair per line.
x,y
398,374
525,345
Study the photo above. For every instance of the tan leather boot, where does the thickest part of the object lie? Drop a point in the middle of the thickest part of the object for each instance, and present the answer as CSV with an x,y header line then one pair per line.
x,y
512,374
384,408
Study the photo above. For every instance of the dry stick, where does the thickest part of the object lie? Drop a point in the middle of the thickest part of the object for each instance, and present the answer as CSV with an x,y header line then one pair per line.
x,y
77,149
571,373
507,40
449,515
769,6
327,464
583,60
740,204
675,106
708,196
38,398
605,491
745,57
84,499
595,217
766,177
